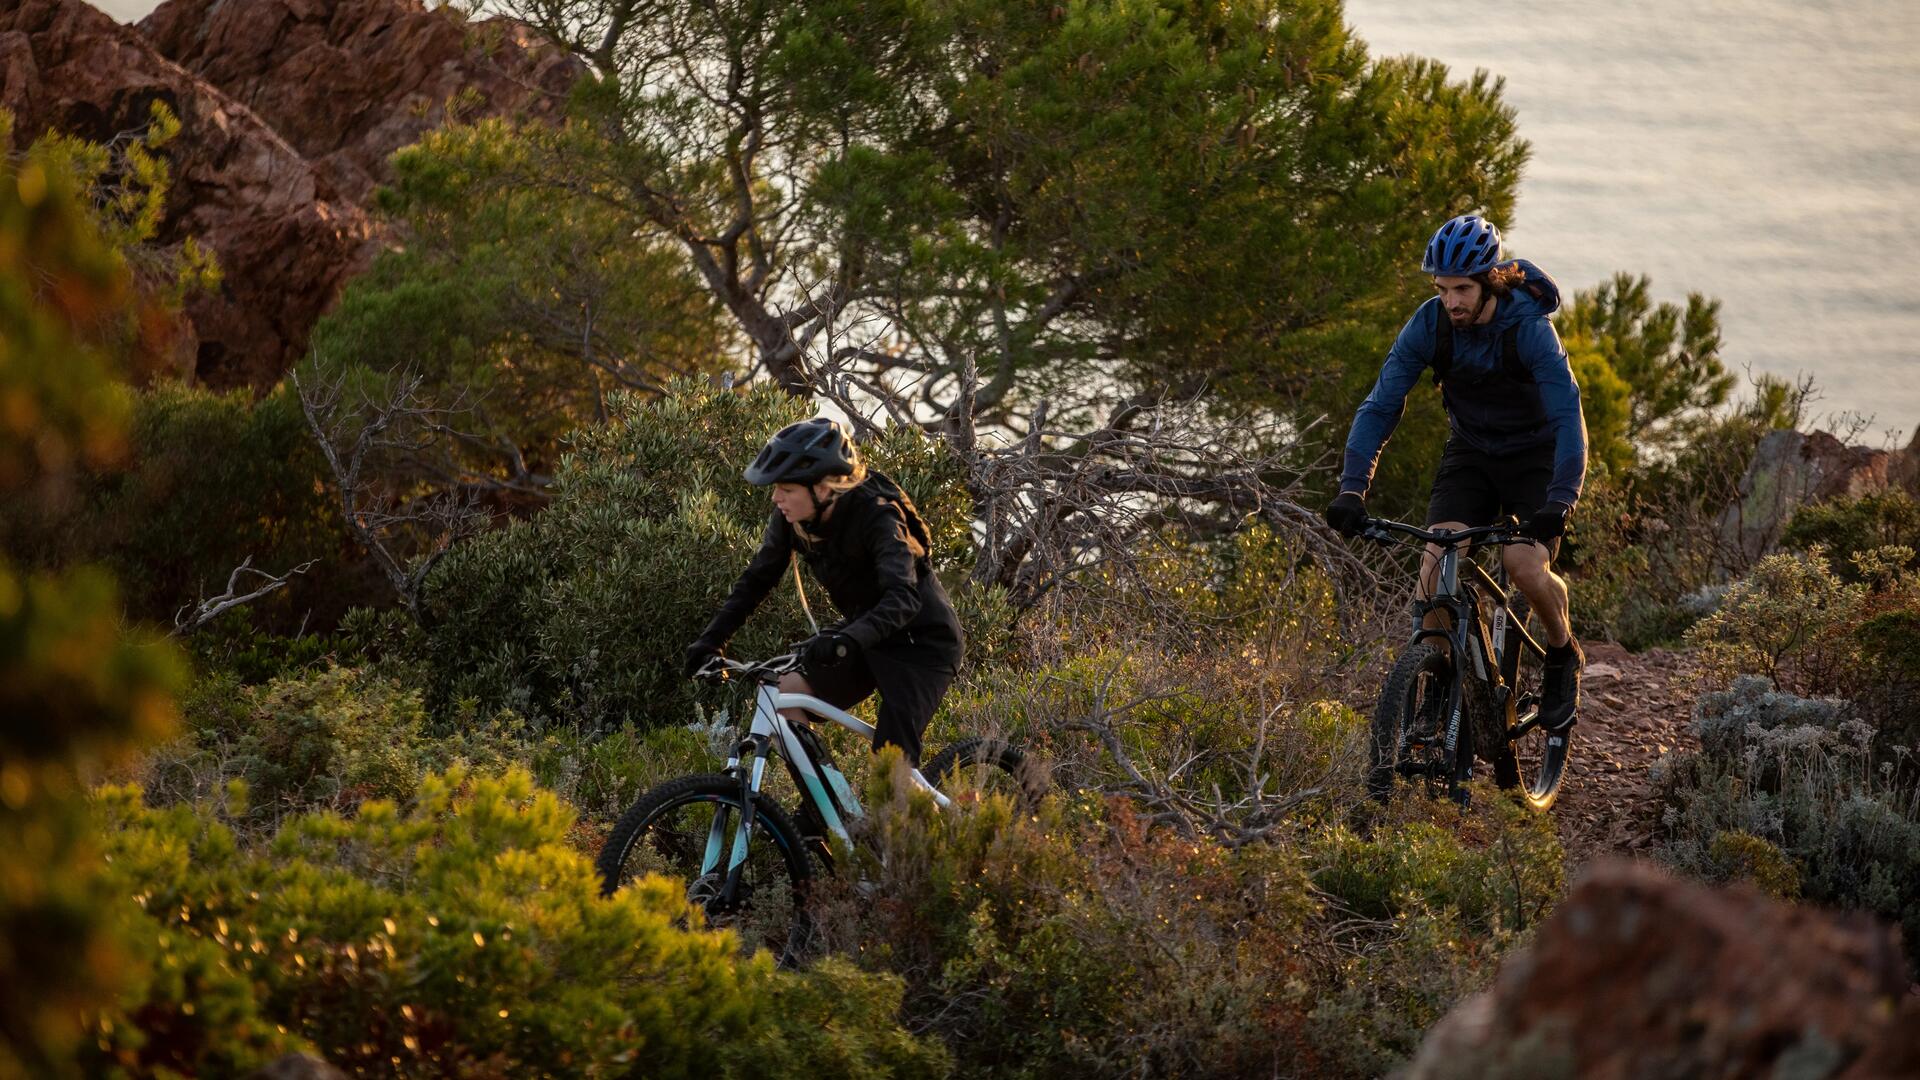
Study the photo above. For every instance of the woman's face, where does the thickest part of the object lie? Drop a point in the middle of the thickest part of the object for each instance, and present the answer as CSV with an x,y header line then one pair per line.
x,y
794,502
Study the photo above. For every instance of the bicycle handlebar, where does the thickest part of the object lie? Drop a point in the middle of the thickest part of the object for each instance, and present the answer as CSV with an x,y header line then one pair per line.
x,y
720,669
1506,532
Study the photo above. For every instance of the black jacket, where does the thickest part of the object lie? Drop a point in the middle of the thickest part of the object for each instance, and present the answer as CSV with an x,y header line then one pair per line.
x,y
871,556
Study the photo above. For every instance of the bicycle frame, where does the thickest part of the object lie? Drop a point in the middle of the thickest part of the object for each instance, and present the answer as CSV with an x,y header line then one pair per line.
x,y
821,784
1493,652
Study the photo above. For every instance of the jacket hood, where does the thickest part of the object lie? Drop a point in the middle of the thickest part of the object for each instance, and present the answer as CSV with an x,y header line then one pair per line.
x,y
1538,295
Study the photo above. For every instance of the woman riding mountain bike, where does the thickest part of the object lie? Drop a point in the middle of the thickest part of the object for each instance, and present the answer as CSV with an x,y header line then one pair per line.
x,y
868,546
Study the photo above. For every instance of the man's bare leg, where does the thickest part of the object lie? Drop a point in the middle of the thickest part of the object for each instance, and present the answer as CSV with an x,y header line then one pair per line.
x,y
1530,568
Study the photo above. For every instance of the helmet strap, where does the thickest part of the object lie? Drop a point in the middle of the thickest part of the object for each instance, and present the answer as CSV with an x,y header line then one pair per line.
x,y
819,505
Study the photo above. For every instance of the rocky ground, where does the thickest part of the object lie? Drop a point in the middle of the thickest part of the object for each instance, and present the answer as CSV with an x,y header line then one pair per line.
x,y
1634,708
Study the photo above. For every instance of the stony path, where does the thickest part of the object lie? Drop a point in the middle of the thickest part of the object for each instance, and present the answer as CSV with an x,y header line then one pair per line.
x,y
1634,707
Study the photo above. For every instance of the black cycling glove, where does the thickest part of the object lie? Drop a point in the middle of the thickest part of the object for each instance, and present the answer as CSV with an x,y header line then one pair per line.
x,y
1347,513
1547,523
828,648
698,655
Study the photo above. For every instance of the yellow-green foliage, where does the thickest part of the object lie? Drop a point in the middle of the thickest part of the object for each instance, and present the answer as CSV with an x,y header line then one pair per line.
x,y
1419,913
1785,620
76,690
459,936
1748,857
1812,630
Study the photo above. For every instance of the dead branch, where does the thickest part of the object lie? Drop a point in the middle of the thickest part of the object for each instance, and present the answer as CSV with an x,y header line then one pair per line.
x,y
363,442
192,617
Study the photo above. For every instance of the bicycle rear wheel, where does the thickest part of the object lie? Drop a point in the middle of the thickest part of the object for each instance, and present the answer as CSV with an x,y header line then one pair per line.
x,y
1535,762
669,831
974,767
1409,723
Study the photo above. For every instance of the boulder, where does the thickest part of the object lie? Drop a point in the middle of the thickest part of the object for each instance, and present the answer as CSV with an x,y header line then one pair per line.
x,y
1792,468
1639,974
348,82
284,237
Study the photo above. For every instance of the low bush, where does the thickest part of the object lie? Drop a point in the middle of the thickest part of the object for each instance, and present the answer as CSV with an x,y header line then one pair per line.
x,y
1845,528
1813,631
332,737
1418,912
209,480
459,936
1802,797
1082,939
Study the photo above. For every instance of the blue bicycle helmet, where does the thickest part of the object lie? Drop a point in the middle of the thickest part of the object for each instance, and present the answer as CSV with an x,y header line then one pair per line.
x,y
1463,247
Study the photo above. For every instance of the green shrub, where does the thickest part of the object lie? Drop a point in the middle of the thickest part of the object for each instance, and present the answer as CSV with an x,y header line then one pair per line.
x,y
78,690
1845,528
1418,912
332,737
209,480
1787,620
1742,856
1810,630
462,937
581,614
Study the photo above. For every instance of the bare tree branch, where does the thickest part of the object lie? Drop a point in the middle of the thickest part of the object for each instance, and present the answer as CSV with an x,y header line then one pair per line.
x,y
406,533
192,617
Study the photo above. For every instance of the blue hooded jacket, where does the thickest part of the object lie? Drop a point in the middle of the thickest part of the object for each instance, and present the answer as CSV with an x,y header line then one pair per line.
x,y
1487,409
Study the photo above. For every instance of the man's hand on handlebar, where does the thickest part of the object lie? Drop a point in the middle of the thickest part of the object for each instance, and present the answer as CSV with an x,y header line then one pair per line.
x,y
1347,513
1548,523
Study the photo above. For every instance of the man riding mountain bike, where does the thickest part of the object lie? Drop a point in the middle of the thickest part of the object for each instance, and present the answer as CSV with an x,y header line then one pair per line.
x,y
867,545
1517,441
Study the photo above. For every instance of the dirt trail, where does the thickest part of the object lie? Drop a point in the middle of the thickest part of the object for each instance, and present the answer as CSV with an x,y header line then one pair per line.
x,y
1633,708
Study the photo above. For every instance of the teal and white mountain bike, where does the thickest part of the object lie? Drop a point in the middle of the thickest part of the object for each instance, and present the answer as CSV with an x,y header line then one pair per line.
x,y
747,861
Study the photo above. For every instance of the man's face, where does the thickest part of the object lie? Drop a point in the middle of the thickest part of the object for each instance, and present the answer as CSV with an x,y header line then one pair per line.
x,y
1461,295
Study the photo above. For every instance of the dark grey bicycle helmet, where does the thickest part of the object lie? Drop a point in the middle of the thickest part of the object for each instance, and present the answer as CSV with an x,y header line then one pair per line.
x,y
1463,247
805,453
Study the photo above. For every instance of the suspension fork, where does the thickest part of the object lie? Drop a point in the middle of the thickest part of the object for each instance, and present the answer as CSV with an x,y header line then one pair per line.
x,y
749,764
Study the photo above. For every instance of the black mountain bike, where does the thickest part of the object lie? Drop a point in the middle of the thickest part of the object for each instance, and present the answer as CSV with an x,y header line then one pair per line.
x,y
1470,687
748,862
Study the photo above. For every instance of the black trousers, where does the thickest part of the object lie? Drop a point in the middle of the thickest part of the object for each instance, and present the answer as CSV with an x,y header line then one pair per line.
x,y
1475,488
911,671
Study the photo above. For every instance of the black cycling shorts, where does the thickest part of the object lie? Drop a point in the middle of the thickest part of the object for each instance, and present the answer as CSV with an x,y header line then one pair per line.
x,y
911,672
1474,488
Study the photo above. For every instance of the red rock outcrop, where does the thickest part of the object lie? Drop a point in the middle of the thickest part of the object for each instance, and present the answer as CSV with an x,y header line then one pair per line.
x,y
1638,974
284,237
1791,468
348,82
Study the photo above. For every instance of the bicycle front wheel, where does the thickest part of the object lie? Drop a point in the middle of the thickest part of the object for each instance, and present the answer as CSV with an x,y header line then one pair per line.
x,y
1409,723
682,826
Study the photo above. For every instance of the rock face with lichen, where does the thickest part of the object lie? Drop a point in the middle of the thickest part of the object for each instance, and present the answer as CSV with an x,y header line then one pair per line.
x,y
1639,974
1792,468
289,110
348,82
